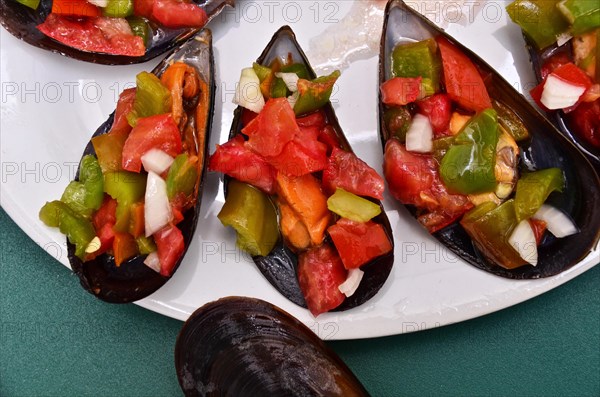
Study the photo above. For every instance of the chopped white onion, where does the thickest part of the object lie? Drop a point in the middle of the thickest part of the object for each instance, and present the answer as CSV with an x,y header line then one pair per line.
x,y
557,222
157,161
93,246
419,137
153,262
290,80
292,99
99,3
523,241
157,209
349,286
560,94
563,38
247,92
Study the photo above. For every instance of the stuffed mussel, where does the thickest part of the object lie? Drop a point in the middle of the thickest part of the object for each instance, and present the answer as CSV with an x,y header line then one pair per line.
x,y
111,32
247,347
564,47
303,205
478,167
131,213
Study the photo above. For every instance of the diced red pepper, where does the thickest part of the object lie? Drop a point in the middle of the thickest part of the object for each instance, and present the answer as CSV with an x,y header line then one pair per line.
x,y
78,8
346,171
401,91
136,220
438,108
320,272
539,228
170,247
238,161
124,247
358,243
124,105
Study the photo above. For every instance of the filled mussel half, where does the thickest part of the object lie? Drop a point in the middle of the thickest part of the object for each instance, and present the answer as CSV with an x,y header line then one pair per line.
x,y
316,220
240,346
477,166
114,30
132,210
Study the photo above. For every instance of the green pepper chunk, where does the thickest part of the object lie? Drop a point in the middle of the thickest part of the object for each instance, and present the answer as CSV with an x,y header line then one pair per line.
x,y
127,188
86,195
351,206
314,94
79,231
511,123
540,20
583,15
139,27
533,188
151,98
468,165
74,197
182,176
118,8
33,4
298,68
441,146
397,120
279,89
145,245
261,71
252,214
418,59
490,227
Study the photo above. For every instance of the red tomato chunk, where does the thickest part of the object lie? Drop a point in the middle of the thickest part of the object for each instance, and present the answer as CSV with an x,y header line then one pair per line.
x,y
358,243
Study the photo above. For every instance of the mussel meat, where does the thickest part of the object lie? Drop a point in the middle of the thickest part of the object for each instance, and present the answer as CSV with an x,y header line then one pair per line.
x,y
247,347
22,21
281,264
128,278
543,148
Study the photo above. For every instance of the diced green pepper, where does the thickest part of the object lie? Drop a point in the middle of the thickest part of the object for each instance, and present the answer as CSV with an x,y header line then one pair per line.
x,y
118,8
397,120
279,89
139,27
74,197
540,20
351,206
182,176
145,245
33,4
90,175
314,94
533,188
78,230
151,98
510,122
252,214
468,165
298,68
127,188
583,15
261,71
418,59
490,228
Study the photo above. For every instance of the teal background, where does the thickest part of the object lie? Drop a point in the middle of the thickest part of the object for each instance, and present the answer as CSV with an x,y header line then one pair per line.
x,y
57,340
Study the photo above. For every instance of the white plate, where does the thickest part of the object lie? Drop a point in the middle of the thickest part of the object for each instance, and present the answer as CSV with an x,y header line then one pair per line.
x,y
51,105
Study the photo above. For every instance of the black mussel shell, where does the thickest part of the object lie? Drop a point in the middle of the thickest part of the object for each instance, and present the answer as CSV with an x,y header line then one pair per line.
x,y
546,148
22,22
538,57
133,280
280,266
247,347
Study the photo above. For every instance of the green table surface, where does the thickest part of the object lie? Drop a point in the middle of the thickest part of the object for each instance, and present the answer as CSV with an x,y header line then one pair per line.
x,y
57,340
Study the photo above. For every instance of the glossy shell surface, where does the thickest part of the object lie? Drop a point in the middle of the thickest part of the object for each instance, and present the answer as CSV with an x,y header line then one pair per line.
x,y
547,148
279,267
247,347
133,280
22,22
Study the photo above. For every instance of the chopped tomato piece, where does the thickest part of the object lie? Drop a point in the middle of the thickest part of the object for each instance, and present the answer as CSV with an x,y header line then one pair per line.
x,y
320,272
358,243
247,116
539,228
328,136
297,159
170,247
275,127
586,121
316,119
178,14
99,34
177,215
401,91
438,108
569,73
143,8
79,8
238,161
154,132
124,247
106,214
124,105
345,170
462,79
553,63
